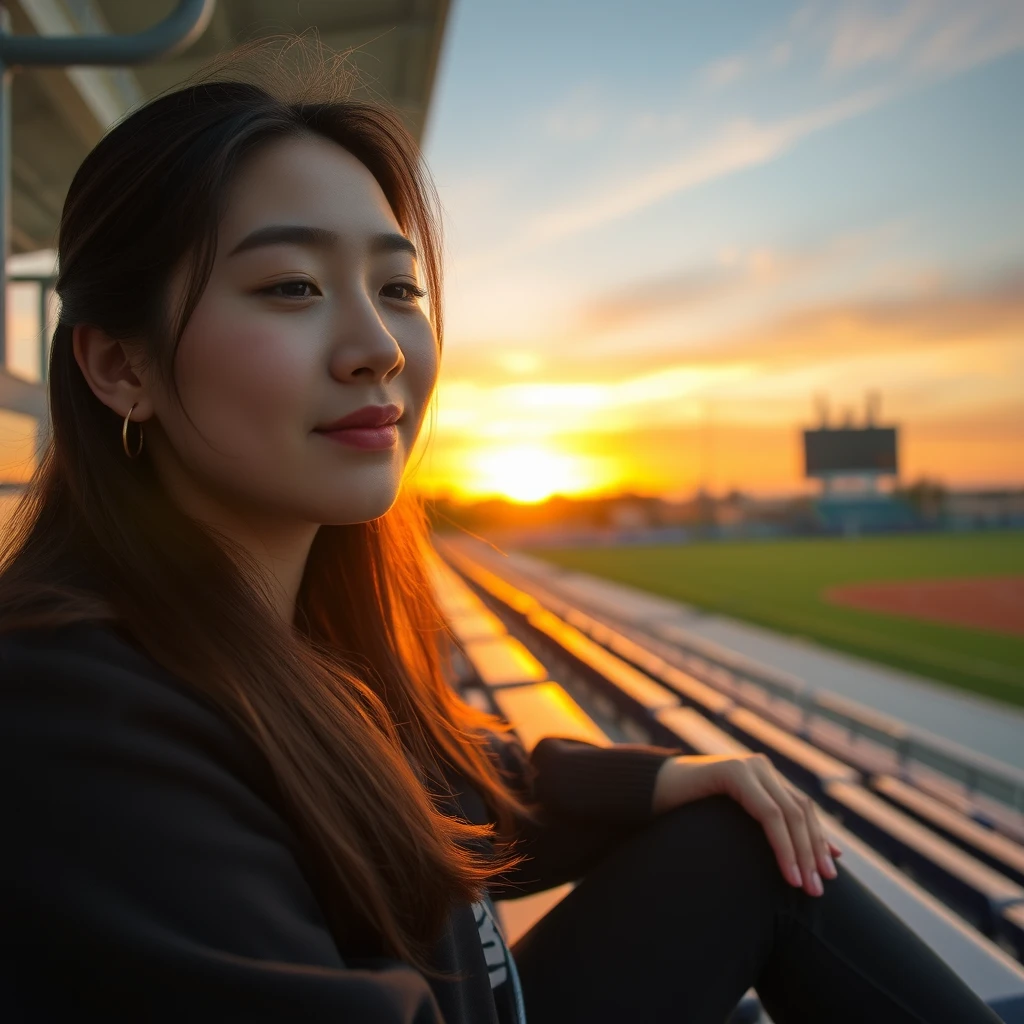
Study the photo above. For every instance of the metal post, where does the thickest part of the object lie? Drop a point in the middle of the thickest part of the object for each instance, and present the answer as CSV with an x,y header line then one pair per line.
x,y
5,177
44,296
182,27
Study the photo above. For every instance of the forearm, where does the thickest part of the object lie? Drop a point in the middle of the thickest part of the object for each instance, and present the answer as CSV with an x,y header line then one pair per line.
x,y
604,785
587,797
686,777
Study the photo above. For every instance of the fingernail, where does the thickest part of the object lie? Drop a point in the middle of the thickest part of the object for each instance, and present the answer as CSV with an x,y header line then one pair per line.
x,y
830,866
816,887
794,875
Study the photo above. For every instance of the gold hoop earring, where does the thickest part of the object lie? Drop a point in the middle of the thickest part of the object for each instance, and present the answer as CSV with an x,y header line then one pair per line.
x,y
124,434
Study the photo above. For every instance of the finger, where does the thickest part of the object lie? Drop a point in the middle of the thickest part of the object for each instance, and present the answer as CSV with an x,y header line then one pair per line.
x,y
797,808
821,845
760,805
835,850
794,806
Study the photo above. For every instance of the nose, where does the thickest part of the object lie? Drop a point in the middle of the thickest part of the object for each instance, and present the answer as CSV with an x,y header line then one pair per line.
x,y
363,345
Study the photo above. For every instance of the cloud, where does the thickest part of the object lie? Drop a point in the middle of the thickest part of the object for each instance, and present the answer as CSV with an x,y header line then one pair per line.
x,y
949,366
931,318
736,275
901,46
507,411
862,36
928,36
926,320
743,143
728,71
725,72
579,116
651,296
911,40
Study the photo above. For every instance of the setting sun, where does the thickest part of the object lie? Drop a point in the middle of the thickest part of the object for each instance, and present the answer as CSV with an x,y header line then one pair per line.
x,y
529,473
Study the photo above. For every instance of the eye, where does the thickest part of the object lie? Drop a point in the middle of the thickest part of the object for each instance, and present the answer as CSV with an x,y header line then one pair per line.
x,y
298,282
413,291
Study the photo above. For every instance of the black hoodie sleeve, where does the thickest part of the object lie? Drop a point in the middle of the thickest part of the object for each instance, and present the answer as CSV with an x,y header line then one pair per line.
x,y
586,799
143,876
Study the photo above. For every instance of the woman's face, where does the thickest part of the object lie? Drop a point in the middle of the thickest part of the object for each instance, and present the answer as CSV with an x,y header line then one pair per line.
x,y
298,327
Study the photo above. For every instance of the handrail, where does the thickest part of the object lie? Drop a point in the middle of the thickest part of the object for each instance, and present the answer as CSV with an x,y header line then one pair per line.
x,y
45,283
179,30
977,772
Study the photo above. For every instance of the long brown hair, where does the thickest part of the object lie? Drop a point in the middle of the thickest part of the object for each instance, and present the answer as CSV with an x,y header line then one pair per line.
x,y
349,704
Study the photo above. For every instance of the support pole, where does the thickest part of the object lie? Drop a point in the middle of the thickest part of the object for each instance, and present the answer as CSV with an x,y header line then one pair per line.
x,y
182,27
5,178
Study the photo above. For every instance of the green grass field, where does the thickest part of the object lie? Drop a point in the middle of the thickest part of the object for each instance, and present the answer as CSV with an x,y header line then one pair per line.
x,y
778,584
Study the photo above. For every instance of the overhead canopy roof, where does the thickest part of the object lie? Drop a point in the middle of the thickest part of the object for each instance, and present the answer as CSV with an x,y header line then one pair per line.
x,y
59,114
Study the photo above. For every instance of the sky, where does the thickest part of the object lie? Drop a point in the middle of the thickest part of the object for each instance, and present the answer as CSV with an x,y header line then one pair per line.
x,y
672,228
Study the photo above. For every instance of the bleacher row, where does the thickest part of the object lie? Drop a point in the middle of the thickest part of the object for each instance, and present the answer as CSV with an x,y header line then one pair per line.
x,y
988,791
920,855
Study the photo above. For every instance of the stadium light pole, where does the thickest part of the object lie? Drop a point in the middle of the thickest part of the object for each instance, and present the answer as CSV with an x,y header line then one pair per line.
x,y
179,30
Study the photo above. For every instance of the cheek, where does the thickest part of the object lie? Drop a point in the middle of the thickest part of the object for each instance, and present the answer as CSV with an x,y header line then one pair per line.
x,y
245,377
420,370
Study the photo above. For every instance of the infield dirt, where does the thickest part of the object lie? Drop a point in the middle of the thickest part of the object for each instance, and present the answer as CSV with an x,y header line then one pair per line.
x,y
995,603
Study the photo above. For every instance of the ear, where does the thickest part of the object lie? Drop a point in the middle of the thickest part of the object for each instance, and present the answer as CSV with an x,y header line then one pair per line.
x,y
109,372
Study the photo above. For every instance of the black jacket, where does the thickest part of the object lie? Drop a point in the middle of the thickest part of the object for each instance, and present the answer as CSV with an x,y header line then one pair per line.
x,y
147,872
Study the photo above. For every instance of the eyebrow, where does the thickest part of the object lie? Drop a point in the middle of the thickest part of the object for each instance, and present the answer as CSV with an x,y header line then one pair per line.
x,y
318,238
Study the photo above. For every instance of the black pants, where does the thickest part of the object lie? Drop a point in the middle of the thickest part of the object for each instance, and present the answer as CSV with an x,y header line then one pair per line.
x,y
679,920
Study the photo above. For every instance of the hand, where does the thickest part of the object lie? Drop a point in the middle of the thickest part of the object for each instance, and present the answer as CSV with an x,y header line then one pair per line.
x,y
789,817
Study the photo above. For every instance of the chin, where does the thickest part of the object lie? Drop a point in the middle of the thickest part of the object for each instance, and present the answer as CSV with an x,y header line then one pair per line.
x,y
347,512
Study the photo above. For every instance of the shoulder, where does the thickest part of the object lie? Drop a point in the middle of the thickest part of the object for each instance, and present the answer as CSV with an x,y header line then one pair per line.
x,y
87,686
88,650
141,826
87,659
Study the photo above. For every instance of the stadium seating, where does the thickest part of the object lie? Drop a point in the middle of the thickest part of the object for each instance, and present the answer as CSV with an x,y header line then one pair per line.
x,y
978,893
1013,918
870,742
503,661
545,709
668,705
536,710
989,847
694,734
620,692
984,967
807,767
477,624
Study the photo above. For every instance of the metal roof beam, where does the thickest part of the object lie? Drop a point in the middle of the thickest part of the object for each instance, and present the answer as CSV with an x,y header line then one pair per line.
x,y
103,95
185,24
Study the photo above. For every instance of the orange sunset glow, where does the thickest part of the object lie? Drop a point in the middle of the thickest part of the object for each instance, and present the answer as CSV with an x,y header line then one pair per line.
x,y
671,245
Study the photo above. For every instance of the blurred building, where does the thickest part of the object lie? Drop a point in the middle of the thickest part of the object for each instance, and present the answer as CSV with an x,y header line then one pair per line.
x,y
990,509
58,115
857,467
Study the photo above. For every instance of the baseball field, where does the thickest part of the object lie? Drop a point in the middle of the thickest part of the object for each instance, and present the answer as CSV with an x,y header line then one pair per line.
x,y
949,607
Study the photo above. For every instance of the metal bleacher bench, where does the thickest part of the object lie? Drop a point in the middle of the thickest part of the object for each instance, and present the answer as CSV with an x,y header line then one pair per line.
x,y
535,709
667,705
990,792
991,848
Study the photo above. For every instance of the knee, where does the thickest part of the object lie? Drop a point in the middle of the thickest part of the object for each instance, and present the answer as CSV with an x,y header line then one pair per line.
x,y
715,836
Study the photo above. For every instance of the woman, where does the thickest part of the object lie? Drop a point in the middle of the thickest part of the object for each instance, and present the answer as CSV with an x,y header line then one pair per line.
x,y
237,787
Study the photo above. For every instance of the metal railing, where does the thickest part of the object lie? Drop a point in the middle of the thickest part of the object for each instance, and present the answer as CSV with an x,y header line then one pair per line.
x,y
179,30
976,772
45,285
979,775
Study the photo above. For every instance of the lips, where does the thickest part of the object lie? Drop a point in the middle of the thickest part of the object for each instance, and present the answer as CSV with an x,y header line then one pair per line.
x,y
368,416
372,428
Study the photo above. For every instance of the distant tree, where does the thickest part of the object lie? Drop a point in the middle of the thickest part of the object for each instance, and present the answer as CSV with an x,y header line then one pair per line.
x,y
926,497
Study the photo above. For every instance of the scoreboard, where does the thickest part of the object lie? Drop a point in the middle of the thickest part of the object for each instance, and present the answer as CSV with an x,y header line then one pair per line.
x,y
833,451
